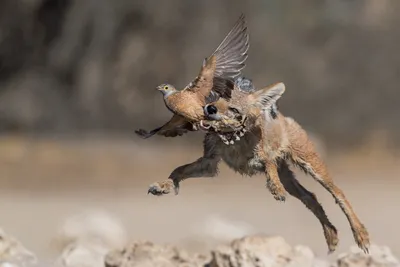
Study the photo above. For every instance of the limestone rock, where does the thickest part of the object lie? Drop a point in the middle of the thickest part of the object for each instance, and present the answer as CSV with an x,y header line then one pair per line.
x,y
262,251
379,256
147,254
13,253
82,254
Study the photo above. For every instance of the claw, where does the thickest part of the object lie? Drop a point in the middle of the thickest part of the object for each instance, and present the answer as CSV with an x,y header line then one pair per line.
x,y
163,188
231,142
155,191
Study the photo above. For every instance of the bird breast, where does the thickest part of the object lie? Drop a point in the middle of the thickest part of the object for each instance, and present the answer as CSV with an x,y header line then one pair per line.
x,y
186,104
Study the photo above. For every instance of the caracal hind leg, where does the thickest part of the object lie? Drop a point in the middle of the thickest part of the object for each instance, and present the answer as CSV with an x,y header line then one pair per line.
x,y
303,154
273,182
206,166
295,189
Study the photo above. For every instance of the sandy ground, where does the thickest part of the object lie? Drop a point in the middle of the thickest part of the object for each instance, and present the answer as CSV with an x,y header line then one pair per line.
x,y
45,182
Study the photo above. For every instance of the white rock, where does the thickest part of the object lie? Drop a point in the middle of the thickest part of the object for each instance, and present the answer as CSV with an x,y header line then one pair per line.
x,y
13,253
82,254
262,251
379,256
8,264
143,254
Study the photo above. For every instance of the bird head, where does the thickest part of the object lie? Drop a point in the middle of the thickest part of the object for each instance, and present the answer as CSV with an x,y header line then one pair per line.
x,y
166,89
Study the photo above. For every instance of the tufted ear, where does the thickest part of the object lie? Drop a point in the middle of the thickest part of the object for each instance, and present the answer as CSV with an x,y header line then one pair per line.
x,y
266,97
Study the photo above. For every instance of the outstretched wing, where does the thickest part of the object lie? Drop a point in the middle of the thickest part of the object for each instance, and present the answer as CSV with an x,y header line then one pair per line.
x,y
232,52
226,62
176,126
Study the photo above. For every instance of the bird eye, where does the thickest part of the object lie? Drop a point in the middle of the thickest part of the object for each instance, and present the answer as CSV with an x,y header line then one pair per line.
x,y
166,87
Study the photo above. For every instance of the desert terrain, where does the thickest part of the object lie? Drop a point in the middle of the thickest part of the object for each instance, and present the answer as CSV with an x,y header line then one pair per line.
x,y
45,181
78,77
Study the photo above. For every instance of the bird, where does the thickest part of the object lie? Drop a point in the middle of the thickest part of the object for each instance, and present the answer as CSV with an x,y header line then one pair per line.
x,y
215,80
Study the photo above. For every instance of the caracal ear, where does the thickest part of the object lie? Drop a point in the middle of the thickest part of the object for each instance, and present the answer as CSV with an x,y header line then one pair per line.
x,y
267,96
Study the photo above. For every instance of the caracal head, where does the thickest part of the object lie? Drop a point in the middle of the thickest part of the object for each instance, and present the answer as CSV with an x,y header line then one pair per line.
x,y
243,109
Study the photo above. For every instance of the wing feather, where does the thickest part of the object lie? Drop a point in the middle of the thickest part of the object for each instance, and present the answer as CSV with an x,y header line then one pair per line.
x,y
226,62
231,54
176,126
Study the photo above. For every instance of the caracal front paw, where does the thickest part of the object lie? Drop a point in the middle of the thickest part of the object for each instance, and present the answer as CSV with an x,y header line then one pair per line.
x,y
277,190
163,188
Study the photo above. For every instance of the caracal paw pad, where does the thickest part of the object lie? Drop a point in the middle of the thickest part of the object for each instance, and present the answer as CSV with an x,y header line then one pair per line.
x,y
162,188
279,193
332,238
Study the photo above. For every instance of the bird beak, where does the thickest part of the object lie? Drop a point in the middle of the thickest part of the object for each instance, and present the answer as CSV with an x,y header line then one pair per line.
x,y
158,88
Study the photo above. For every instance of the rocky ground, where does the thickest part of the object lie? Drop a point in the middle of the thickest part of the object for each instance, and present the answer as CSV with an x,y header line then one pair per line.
x,y
85,204
96,239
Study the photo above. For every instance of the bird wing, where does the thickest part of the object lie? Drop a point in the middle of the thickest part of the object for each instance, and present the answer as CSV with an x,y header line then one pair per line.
x,y
222,87
176,126
225,63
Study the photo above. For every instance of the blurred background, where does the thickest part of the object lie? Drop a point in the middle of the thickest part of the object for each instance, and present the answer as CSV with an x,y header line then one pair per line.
x,y
78,77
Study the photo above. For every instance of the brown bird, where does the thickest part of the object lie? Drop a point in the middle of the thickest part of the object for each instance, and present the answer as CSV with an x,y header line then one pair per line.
x,y
215,80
